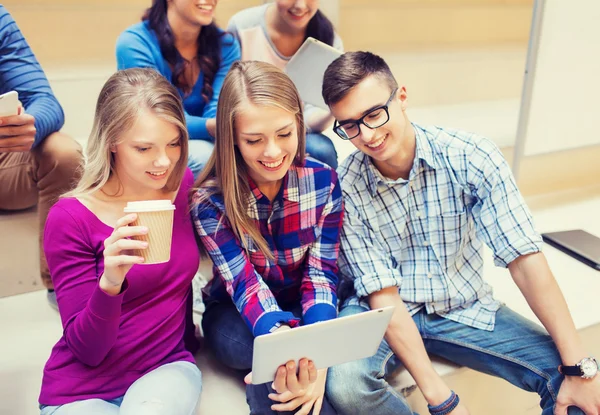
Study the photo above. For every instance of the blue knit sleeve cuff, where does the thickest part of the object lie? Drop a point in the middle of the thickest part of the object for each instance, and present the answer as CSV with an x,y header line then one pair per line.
x,y
319,312
268,320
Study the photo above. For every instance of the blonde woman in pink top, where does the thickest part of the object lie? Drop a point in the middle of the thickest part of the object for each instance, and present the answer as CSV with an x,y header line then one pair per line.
x,y
273,33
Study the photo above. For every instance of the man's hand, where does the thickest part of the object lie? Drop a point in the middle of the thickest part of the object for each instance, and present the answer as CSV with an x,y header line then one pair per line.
x,y
582,393
17,132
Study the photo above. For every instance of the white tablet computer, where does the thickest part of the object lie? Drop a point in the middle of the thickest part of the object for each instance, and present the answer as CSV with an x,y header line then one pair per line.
x,y
327,343
307,67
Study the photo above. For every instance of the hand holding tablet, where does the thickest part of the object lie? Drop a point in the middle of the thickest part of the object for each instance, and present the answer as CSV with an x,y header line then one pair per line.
x,y
327,343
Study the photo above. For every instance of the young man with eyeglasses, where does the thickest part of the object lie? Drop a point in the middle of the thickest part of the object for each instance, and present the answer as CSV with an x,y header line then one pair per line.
x,y
419,204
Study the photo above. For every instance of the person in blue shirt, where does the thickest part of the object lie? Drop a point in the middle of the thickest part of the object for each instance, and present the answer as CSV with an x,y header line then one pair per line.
x,y
37,163
180,39
420,202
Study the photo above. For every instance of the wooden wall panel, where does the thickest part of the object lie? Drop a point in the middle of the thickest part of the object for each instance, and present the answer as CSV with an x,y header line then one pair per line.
x,y
83,32
411,27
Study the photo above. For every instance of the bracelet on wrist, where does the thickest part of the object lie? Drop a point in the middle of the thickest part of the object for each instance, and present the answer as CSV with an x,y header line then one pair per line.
x,y
445,407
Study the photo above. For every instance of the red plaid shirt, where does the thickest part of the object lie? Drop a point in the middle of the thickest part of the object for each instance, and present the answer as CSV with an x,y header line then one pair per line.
x,y
302,227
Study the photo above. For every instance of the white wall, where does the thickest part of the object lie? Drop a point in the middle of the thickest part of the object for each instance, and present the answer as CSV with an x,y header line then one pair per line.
x,y
565,79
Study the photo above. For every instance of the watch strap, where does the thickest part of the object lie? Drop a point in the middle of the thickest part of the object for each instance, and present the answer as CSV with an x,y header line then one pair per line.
x,y
570,370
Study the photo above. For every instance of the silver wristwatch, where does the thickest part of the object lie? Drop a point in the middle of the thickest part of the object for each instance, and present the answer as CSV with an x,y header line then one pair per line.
x,y
587,368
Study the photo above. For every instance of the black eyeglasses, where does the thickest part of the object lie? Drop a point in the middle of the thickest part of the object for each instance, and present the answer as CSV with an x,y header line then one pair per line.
x,y
373,119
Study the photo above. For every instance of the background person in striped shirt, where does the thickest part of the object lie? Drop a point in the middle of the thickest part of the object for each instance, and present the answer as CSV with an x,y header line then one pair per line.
x,y
419,204
37,163
269,219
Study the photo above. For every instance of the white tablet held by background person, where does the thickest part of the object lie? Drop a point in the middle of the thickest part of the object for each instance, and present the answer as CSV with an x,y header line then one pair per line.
x,y
307,67
9,104
327,343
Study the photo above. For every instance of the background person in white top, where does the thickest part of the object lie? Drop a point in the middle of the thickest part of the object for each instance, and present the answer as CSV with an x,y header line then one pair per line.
x,y
419,204
273,33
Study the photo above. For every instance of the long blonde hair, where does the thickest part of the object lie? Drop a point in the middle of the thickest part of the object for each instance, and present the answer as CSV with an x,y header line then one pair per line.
x,y
123,97
225,172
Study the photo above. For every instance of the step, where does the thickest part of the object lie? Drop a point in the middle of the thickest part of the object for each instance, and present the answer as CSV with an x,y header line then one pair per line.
x,y
77,89
442,85
72,31
451,76
19,250
424,24
65,32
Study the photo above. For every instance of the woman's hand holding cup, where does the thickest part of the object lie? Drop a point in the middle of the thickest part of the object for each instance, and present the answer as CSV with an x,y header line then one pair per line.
x,y
117,256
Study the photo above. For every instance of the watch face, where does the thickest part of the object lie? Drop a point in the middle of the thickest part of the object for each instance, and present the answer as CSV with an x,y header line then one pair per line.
x,y
589,367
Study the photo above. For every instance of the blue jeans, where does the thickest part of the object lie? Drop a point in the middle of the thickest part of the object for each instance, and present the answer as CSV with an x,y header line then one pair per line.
x,y
198,153
171,389
518,351
320,147
232,344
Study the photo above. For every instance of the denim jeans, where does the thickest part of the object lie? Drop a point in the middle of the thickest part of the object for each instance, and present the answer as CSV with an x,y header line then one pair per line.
x,y
198,153
320,147
232,343
171,389
518,351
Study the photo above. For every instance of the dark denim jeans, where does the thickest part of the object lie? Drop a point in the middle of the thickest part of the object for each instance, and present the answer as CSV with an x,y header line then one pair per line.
x,y
232,343
518,351
320,147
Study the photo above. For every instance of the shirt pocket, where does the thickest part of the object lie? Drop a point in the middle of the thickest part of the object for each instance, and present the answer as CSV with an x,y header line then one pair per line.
x,y
448,235
256,257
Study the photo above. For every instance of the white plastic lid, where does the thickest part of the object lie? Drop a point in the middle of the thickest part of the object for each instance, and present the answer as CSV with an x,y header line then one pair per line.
x,y
148,206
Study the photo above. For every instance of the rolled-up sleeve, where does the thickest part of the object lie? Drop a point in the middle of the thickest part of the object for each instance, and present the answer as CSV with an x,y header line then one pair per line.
x,y
502,219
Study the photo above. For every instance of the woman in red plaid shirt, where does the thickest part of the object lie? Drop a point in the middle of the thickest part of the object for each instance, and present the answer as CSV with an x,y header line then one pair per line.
x,y
269,218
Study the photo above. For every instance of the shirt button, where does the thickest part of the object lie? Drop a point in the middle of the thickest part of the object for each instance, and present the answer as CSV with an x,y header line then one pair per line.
x,y
430,276
426,243
418,213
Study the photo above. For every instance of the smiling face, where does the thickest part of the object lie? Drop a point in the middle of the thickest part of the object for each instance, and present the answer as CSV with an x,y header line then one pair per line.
x,y
297,13
384,143
192,12
147,153
267,138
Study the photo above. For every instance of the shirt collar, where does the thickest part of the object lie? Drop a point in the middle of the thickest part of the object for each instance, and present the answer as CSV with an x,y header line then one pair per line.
x,y
424,150
423,153
291,184
289,189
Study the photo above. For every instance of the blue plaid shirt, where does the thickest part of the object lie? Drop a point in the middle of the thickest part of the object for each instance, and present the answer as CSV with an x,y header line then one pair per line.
x,y
425,235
